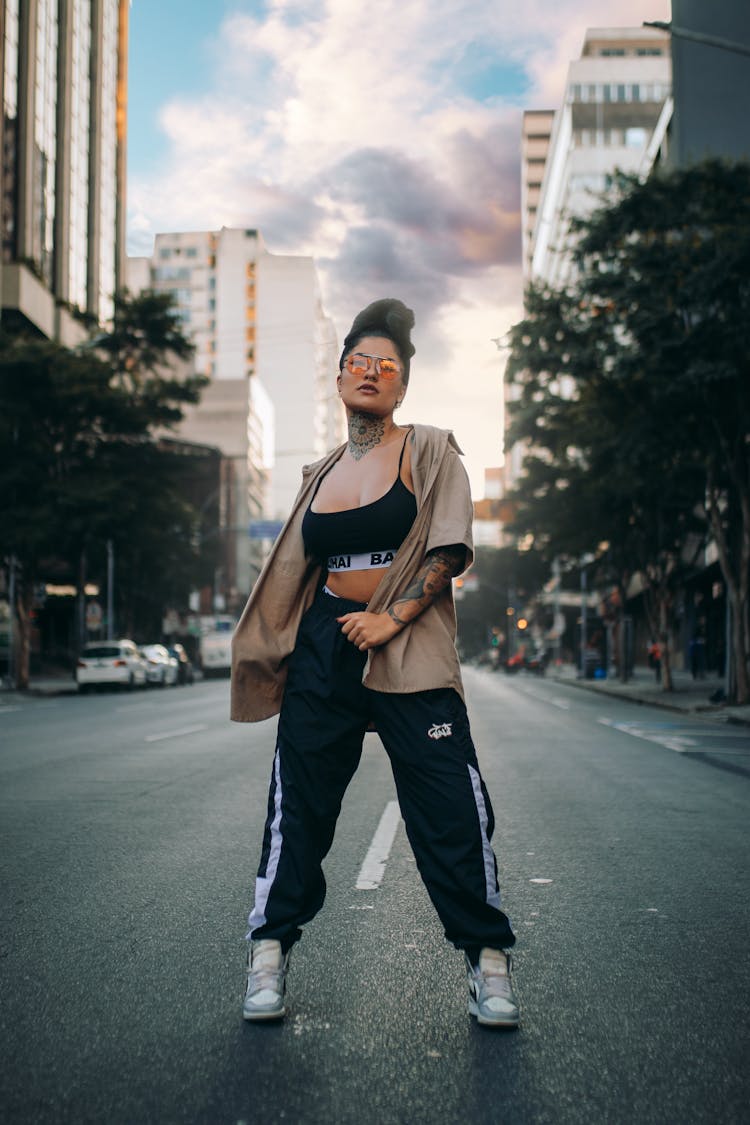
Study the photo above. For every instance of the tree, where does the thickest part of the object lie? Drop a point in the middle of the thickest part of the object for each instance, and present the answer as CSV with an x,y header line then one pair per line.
x,y
635,387
506,577
80,461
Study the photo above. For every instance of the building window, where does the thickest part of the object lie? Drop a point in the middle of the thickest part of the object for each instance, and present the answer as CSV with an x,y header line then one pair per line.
x,y
612,52
44,151
635,138
649,51
191,252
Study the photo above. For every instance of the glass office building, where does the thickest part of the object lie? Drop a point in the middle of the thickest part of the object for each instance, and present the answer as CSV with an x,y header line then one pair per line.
x,y
63,144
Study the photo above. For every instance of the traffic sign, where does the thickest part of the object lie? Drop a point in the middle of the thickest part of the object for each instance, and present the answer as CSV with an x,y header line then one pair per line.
x,y
265,529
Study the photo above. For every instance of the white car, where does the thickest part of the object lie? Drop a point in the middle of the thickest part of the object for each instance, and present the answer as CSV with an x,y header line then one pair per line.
x,y
110,662
161,667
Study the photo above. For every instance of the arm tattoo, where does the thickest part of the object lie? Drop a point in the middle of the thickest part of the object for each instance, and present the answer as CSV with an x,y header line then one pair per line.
x,y
440,566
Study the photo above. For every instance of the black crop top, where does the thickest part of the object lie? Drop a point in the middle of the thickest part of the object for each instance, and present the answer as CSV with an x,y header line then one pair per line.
x,y
383,524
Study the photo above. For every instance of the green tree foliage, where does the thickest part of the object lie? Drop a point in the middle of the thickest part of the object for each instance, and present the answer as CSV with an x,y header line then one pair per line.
x,y
634,388
506,578
81,461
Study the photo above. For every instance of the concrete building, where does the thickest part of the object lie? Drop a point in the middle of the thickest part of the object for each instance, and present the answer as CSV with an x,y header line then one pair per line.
x,y
263,340
63,132
615,115
535,141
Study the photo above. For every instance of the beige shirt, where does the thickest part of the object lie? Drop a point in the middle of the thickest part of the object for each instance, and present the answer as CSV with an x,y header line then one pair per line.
x,y
419,658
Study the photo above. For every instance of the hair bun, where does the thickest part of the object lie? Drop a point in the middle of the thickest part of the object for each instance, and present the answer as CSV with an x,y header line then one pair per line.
x,y
387,314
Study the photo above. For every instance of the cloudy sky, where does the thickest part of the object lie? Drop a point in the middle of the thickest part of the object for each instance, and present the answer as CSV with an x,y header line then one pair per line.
x,y
382,139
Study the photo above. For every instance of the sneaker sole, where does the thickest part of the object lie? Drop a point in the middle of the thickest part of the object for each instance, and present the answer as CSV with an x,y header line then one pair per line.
x,y
260,1017
486,1021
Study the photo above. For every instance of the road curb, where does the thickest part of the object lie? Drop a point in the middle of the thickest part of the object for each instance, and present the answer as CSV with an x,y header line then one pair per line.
x,y
709,712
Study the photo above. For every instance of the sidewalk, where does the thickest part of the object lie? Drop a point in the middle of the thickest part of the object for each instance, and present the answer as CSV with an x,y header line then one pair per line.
x,y
58,684
689,695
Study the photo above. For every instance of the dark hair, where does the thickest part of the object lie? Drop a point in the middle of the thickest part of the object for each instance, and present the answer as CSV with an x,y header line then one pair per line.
x,y
389,318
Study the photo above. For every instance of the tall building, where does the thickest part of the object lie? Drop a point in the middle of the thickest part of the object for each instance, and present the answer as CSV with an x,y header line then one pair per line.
x,y
615,115
261,336
62,207
535,141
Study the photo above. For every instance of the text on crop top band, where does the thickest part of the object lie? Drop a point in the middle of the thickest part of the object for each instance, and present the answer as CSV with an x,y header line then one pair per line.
x,y
364,538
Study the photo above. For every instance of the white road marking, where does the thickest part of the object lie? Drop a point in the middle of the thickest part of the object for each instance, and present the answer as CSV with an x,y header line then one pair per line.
x,y
678,743
174,733
7,710
373,868
540,882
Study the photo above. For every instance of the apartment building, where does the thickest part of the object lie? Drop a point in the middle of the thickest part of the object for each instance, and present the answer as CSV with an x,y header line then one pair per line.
x,y
615,115
262,338
536,135
63,133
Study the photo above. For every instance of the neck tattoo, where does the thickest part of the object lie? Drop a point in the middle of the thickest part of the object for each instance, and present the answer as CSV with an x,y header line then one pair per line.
x,y
365,432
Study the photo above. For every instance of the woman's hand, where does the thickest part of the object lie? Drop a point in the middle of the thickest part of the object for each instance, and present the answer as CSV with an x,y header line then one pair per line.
x,y
368,630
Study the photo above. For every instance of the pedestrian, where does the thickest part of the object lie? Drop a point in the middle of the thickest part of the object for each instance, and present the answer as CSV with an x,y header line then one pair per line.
x,y
351,627
654,658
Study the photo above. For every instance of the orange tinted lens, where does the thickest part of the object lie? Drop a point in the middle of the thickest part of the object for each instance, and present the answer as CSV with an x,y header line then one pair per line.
x,y
357,364
388,368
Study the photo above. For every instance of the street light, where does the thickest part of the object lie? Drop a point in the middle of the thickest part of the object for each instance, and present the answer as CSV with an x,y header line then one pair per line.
x,y
699,37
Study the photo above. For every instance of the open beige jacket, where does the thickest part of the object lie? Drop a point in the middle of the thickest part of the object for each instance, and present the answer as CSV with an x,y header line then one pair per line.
x,y
423,655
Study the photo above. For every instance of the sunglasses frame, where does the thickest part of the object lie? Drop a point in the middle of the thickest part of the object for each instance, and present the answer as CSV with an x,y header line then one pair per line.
x,y
378,360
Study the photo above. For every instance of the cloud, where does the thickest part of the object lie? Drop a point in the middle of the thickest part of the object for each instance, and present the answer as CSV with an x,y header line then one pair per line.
x,y
385,142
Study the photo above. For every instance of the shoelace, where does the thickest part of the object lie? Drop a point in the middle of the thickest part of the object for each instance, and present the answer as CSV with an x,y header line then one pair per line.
x,y
494,984
259,979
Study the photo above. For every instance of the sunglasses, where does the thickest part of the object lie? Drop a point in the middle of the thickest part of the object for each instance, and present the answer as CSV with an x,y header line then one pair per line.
x,y
359,363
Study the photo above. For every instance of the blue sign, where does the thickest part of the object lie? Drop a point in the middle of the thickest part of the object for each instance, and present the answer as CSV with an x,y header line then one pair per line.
x,y
265,529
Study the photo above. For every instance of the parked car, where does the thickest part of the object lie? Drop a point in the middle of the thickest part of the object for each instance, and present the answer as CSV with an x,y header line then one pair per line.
x,y
161,668
185,674
117,663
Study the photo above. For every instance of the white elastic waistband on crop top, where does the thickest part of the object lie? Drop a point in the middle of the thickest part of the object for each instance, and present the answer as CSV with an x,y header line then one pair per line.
x,y
370,560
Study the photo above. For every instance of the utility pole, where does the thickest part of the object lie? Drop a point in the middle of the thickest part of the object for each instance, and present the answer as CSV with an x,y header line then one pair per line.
x,y
110,590
583,622
12,622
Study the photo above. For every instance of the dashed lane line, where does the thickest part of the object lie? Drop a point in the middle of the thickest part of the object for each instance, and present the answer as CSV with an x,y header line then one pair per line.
x,y
373,868
175,733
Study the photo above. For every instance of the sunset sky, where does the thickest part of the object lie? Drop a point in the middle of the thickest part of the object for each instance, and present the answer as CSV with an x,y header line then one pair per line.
x,y
384,141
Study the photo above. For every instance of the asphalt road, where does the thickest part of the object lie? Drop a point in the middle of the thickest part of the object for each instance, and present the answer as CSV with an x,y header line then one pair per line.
x,y
130,831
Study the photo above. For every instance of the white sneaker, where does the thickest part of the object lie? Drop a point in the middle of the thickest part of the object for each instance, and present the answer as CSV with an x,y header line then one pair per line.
x,y
266,981
491,997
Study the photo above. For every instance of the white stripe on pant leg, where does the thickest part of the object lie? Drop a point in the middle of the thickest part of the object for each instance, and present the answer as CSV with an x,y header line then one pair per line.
x,y
490,879
263,884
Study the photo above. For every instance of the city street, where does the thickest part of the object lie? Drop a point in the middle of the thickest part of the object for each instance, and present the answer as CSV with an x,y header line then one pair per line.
x,y
131,829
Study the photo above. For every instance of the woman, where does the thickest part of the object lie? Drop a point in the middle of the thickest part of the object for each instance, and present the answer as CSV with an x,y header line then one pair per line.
x,y
351,625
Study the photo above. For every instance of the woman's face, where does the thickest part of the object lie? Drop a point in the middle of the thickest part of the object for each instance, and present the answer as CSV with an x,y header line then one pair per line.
x,y
370,392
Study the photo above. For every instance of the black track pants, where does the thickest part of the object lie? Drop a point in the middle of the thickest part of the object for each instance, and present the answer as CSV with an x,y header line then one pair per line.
x,y
443,800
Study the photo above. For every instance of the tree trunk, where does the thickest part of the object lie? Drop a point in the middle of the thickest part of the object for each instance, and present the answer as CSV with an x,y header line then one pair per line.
x,y
736,584
24,602
666,656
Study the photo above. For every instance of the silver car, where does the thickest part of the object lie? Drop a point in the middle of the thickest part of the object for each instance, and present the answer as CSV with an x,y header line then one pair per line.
x,y
117,663
161,667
